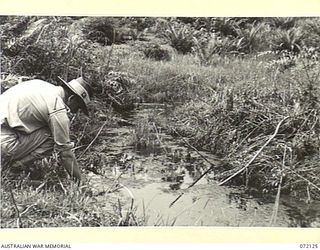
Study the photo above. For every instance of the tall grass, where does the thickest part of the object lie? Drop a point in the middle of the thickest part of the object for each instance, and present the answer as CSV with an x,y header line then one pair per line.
x,y
232,107
228,104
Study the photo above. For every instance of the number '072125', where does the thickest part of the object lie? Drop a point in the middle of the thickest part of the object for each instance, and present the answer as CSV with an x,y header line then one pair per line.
x,y
309,246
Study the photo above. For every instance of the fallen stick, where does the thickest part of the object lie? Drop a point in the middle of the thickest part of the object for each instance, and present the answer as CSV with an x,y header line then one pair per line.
x,y
256,155
191,185
94,139
201,176
277,201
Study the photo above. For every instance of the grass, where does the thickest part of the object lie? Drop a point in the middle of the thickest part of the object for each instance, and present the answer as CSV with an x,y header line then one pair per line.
x,y
226,104
231,108
42,203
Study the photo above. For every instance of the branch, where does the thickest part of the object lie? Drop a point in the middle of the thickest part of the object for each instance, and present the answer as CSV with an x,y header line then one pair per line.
x,y
213,165
276,203
104,124
256,155
191,185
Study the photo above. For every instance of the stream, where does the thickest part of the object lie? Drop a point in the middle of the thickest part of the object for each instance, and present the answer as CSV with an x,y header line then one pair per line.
x,y
155,174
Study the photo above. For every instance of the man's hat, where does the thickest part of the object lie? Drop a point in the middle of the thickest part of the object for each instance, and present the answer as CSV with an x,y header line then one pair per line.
x,y
81,89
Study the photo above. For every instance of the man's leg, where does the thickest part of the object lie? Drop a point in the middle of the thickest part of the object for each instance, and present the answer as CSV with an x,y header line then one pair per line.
x,y
8,139
23,148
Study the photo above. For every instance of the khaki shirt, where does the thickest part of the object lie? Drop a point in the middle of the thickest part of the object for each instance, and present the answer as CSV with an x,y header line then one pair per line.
x,y
35,104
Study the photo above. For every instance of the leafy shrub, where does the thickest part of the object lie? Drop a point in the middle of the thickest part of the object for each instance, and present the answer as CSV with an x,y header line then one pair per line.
x,y
206,49
101,30
290,40
187,20
140,23
157,52
205,23
117,89
227,26
14,25
311,27
180,37
224,26
283,22
248,38
45,50
107,30
306,72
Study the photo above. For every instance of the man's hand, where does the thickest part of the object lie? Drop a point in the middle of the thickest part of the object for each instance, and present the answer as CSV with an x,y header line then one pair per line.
x,y
69,162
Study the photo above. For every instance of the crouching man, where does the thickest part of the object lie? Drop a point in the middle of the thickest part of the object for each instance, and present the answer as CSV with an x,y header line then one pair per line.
x,y
34,121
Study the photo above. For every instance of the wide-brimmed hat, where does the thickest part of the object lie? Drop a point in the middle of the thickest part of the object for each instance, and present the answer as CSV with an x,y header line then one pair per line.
x,y
81,89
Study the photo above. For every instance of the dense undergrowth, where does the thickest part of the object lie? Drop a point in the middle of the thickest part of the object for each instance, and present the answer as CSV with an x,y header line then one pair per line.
x,y
245,89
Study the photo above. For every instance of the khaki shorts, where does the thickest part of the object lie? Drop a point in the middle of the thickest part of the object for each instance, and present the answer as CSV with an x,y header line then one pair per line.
x,y
19,146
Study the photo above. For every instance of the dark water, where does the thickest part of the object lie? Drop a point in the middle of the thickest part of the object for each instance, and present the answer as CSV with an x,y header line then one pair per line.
x,y
155,173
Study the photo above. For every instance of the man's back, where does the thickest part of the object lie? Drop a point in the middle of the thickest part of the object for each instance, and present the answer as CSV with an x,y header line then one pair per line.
x,y
27,106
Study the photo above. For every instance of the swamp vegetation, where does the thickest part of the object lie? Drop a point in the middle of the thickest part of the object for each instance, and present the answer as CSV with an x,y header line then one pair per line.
x,y
174,98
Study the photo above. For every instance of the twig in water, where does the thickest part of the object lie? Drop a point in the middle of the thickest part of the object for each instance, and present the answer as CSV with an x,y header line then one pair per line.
x,y
104,124
213,165
256,155
192,184
276,204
